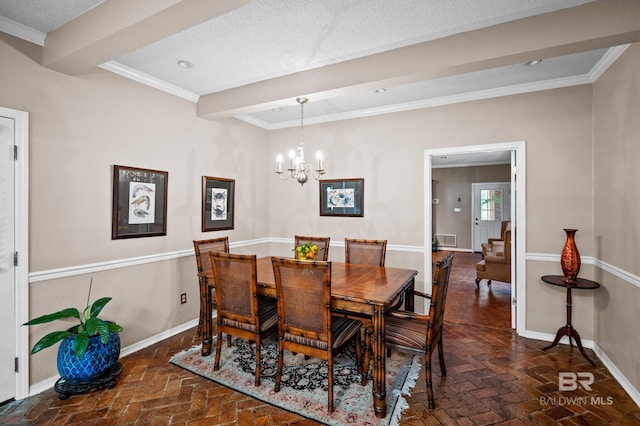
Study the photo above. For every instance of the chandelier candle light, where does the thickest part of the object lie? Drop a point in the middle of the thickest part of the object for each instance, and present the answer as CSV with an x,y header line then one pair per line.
x,y
299,169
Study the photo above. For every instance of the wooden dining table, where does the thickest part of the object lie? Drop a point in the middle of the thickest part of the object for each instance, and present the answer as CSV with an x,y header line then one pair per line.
x,y
355,288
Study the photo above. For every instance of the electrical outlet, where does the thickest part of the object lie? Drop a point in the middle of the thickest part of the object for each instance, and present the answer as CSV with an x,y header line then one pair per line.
x,y
183,298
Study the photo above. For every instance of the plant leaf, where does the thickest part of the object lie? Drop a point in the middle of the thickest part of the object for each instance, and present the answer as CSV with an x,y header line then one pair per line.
x,y
65,313
80,344
97,326
114,327
48,340
97,306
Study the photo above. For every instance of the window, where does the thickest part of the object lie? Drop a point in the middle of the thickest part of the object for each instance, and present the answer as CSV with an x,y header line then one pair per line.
x,y
491,204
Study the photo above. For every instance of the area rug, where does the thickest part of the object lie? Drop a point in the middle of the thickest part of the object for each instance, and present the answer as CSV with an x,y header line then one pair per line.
x,y
304,381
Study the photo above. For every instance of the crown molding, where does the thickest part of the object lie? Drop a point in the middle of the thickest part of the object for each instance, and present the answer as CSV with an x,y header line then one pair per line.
x,y
130,73
21,31
606,61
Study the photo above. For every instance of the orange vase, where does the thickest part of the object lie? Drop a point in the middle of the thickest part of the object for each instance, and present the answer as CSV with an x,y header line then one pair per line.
x,y
570,258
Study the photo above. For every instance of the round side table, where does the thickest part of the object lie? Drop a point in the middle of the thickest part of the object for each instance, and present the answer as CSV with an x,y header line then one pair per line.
x,y
567,329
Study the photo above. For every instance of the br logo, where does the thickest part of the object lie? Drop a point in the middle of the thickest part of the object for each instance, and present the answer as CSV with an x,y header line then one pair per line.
x,y
568,381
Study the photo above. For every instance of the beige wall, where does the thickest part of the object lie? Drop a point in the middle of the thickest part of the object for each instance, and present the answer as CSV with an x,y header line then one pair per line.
x,y
616,207
81,126
388,152
453,183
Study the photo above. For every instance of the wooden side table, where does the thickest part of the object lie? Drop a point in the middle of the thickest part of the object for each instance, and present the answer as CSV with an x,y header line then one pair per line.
x,y
567,329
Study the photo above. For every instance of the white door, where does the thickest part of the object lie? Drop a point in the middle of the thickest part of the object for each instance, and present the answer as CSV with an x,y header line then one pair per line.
x,y
7,270
491,205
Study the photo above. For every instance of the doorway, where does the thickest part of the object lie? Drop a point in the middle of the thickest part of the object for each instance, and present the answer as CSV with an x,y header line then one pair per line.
x,y
518,217
14,253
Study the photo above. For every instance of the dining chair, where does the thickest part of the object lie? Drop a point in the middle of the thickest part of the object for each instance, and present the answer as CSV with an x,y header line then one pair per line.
x,y
369,252
305,321
321,242
419,334
203,262
241,312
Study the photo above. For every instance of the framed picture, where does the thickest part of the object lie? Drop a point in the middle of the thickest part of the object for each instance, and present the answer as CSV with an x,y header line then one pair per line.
x,y
139,202
342,197
217,203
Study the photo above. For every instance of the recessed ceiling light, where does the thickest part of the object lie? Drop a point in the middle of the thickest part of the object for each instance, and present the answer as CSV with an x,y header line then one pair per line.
x,y
381,90
185,64
534,62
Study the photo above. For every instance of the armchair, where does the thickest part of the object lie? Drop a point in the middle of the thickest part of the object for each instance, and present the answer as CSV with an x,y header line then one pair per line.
x,y
497,263
488,246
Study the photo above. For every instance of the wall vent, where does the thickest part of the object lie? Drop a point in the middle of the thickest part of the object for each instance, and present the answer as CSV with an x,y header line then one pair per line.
x,y
446,240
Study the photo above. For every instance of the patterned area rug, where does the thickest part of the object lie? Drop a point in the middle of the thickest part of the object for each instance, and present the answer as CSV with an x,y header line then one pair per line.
x,y
304,382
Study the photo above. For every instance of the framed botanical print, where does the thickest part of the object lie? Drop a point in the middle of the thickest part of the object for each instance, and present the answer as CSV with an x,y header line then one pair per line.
x,y
217,203
139,202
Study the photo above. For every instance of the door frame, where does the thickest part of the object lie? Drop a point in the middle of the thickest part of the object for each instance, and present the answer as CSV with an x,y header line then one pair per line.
x,y
21,229
518,216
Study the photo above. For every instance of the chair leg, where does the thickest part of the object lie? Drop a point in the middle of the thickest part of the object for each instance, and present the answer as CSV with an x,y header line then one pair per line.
x,y
478,283
359,353
216,363
228,340
257,380
427,374
443,370
279,367
330,384
367,355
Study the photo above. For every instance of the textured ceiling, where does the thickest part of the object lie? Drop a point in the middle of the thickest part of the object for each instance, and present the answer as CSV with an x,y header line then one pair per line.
x,y
271,38
261,40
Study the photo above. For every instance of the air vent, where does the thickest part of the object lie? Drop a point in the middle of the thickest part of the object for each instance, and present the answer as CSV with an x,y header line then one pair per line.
x,y
446,240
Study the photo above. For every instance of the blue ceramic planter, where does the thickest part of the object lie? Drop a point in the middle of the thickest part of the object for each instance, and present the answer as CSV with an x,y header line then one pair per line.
x,y
97,360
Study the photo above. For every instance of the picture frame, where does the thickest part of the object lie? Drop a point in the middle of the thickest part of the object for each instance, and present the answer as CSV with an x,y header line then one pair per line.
x,y
342,197
139,202
218,199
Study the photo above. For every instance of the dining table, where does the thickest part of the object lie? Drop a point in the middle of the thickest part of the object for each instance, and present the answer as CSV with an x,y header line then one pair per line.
x,y
365,290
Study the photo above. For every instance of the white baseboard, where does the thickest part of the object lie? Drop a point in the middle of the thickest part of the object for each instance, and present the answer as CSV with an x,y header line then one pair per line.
x,y
617,374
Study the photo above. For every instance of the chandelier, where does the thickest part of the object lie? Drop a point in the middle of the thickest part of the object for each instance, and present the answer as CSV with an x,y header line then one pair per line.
x,y
299,169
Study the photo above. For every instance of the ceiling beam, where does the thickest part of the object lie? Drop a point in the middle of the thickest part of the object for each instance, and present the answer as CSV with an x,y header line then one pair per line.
x,y
116,27
591,26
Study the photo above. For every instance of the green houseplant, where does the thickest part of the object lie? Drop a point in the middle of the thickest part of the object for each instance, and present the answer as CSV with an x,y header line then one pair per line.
x,y
88,349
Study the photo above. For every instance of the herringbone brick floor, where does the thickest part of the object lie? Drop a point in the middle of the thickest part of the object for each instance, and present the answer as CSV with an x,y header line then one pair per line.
x,y
493,377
